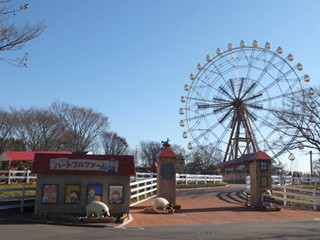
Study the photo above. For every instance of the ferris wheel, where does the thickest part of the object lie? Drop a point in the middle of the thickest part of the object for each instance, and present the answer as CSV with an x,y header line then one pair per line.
x,y
231,102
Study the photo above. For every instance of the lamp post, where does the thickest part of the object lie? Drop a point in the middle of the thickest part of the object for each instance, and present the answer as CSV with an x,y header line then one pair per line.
x,y
311,168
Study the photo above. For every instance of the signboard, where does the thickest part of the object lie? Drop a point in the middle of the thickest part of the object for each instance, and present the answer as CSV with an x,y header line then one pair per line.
x,y
167,171
110,165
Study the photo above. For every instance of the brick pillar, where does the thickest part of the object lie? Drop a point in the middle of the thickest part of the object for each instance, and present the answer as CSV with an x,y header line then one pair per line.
x,y
166,175
260,180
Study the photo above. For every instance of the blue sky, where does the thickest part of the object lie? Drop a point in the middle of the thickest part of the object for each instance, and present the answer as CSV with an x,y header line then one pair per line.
x,y
131,59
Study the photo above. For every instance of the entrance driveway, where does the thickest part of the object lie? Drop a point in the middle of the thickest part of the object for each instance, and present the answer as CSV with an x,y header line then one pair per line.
x,y
212,206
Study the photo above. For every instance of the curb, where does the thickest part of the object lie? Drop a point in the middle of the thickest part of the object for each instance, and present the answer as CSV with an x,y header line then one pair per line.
x,y
29,220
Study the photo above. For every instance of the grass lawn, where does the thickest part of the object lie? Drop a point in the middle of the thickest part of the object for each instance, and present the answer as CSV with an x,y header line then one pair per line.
x,y
308,197
17,193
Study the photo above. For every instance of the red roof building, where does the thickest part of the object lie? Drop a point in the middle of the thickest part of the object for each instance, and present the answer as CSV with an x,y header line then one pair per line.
x,y
167,152
24,156
83,164
27,158
58,175
244,158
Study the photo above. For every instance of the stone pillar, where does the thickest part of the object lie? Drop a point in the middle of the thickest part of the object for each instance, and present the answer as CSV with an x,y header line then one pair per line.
x,y
166,175
260,179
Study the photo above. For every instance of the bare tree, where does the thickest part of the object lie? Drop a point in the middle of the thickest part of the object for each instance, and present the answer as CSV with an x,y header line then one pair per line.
x,y
80,126
6,127
13,37
113,144
148,151
301,120
316,167
38,128
5,124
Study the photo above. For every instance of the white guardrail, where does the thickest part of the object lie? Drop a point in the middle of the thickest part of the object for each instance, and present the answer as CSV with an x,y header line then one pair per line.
x,y
143,189
16,201
282,185
199,178
144,185
288,180
310,197
10,175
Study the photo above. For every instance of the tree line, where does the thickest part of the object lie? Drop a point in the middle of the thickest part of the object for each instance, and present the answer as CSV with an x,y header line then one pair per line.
x,y
67,127
61,127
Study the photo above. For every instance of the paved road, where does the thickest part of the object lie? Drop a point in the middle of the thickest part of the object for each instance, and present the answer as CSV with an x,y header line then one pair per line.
x,y
205,214
308,229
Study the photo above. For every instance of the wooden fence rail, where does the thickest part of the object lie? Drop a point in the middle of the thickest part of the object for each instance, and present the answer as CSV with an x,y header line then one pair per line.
x,y
289,194
10,175
143,188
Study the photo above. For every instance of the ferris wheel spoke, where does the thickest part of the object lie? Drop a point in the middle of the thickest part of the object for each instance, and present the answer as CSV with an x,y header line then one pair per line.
x,y
280,96
263,138
225,92
205,132
220,100
266,69
275,111
226,115
234,66
253,97
199,99
219,72
220,139
206,106
232,87
200,116
199,95
282,76
259,107
206,80
248,91
258,56
197,123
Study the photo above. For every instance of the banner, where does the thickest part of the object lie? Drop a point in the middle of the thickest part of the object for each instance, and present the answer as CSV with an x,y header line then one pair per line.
x,y
110,165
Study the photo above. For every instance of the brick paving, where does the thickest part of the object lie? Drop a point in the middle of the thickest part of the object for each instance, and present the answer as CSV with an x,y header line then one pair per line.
x,y
214,205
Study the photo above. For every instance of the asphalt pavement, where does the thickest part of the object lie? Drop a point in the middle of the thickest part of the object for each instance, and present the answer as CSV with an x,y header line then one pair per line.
x,y
216,213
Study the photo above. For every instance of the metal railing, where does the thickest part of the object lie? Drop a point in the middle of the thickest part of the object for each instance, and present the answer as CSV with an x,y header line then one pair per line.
x,y
16,201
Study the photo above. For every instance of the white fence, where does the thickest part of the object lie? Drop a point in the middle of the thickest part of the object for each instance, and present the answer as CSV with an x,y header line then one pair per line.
x,y
16,201
16,174
287,180
143,185
305,180
199,178
144,188
310,197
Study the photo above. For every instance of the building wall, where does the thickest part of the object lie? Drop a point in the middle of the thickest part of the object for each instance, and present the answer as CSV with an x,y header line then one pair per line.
x,y
256,189
83,181
166,188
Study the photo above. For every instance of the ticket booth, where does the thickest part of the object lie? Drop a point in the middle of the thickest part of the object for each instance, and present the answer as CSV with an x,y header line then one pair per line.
x,y
67,183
